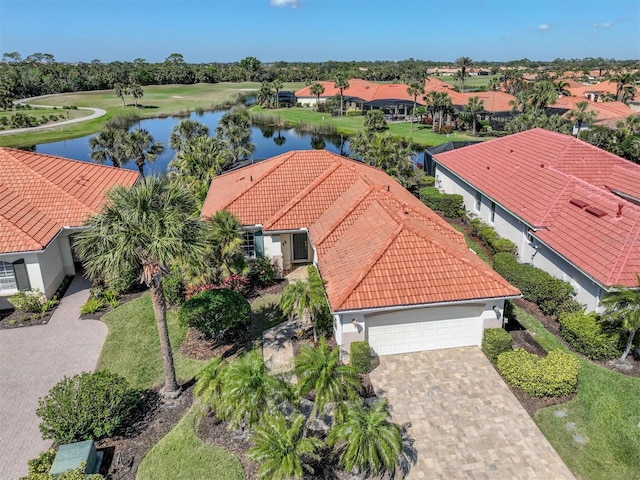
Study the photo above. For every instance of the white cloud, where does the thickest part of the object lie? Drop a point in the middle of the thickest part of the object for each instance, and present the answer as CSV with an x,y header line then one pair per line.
x,y
285,3
601,25
544,26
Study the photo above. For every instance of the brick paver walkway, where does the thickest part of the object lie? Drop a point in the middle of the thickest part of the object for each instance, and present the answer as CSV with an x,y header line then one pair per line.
x,y
465,421
32,360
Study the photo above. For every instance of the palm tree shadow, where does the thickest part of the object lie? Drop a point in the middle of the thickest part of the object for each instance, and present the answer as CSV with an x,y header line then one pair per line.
x,y
409,455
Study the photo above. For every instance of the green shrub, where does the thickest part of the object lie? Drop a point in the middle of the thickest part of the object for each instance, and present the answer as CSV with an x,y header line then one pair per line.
x,y
490,237
555,375
29,302
213,312
174,288
360,356
496,341
584,333
449,205
86,406
353,113
49,305
262,272
92,306
426,181
552,295
39,469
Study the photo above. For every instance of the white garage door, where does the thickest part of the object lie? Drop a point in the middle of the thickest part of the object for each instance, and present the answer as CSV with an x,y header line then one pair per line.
x,y
424,329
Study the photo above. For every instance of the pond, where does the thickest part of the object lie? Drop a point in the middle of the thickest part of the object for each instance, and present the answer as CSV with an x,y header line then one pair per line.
x,y
269,141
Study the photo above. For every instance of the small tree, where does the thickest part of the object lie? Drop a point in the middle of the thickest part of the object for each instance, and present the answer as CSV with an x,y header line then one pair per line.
x,y
305,298
317,89
623,305
375,121
213,312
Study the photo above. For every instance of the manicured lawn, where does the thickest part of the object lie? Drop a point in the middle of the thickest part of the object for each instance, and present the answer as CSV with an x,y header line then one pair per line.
x,y
65,114
606,412
132,348
180,455
470,82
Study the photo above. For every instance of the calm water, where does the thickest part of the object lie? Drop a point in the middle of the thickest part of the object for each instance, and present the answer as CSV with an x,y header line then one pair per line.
x,y
269,141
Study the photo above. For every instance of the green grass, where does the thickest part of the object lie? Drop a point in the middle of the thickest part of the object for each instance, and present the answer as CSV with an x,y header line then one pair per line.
x,y
132,348
606,412
37,112
474,245
181,455
470,82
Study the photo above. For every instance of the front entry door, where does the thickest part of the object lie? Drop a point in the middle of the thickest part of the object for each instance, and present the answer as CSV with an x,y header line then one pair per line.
x,y
300,247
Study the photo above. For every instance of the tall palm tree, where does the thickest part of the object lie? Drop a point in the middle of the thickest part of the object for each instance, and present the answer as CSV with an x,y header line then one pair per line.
x,y
226,239
303,298
366,440
580,116
183,132
142,148
493,85
277,86
108,145
625,85
282,449
265,94
341,84
144,229
250,391
464,64
121,91
319,369
317,89
414,89
562,88
209,383
234,128
473,108
386,152
623,305
136,92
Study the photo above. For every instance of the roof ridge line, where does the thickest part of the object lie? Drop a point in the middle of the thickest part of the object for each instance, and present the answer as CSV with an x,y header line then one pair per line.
x,y
369,265
625,251
303,193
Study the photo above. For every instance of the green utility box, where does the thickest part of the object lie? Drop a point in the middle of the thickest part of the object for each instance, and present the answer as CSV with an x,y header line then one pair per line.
x,y
72,455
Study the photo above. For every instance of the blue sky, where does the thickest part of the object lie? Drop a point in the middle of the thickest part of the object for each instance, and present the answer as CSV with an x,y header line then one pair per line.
x,y
320,30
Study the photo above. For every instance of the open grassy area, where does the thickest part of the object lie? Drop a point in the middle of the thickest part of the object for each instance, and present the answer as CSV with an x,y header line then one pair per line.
x,y
180,455
39,112
606,412
132,348
470,83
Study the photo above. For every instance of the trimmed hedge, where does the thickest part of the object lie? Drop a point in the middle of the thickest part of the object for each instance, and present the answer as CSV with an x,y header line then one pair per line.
x,y
450,205
361,356
584,333
552,295
490,237
496,341
213,312
555,375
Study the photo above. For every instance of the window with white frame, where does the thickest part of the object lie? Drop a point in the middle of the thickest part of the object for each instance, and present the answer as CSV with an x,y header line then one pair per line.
x,y
493,212
8,283
248,245
478,201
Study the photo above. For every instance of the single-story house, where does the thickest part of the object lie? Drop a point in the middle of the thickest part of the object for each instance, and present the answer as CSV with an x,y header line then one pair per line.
x,y
44,200
396,274
572,209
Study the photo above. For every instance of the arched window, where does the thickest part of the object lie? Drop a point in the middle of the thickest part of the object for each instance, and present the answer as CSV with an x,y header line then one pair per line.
x,y
8,283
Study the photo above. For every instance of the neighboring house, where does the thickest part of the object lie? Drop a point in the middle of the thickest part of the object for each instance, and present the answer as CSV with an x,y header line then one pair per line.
x,y
396,274
572,209
43,201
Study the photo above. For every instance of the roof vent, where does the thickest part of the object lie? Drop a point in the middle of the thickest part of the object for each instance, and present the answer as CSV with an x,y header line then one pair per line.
x,y
619,214
488,167
578,203
595,211
542,165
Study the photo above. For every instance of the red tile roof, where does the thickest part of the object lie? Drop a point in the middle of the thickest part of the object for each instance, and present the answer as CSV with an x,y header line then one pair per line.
x,y
603,110
377,245
535,174
40,194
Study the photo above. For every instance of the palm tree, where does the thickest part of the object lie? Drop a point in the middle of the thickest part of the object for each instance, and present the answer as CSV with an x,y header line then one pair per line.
x,y
226,239
366,440
317,89
463,63
415,89
144,229
625,85
302,298
493,85
580,116
250,391
277,86
282,449
136,92
562,88
108,145
121,90
319,369
142,148
234,129
209,383
623,305
386,152
341,84
265,94
183,132
473,108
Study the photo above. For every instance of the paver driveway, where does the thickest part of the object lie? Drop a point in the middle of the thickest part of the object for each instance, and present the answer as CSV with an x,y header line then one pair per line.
x,y
32,360
465,421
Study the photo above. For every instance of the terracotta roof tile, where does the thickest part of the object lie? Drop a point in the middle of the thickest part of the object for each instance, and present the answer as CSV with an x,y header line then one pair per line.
x,y
360,221
536,173
40,194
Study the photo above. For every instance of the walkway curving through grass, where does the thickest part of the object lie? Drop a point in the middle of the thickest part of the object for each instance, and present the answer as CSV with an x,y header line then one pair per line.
x,y
181,455
597,434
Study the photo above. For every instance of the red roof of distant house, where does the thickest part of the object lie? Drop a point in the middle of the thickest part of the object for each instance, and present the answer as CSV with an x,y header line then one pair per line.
x,y
40,194
377,245
535,174
603,110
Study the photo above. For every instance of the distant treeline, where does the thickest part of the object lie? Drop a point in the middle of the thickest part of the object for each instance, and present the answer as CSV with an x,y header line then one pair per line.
x,y
41,74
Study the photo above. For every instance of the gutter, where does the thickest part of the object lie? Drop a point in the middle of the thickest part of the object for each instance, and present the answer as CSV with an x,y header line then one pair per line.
x,y
62,229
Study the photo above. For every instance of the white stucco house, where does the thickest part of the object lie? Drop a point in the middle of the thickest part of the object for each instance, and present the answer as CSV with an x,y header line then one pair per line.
x,y
396,274
572,209
44,200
